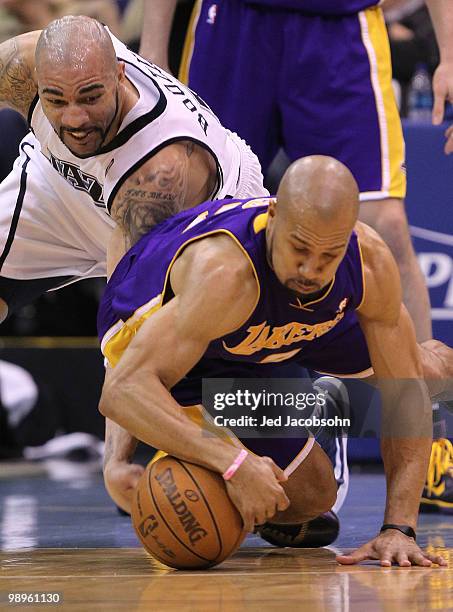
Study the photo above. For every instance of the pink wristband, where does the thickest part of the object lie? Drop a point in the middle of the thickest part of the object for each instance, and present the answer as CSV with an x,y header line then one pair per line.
x,y
235,465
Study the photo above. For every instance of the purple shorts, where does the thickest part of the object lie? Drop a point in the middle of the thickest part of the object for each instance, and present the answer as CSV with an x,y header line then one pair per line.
x,y
310,84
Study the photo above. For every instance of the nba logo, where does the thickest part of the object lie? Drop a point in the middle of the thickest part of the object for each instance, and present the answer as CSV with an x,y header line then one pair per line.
x,y
212,14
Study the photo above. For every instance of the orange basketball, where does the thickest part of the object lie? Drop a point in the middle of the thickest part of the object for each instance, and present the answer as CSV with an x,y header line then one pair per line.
x,y
183,516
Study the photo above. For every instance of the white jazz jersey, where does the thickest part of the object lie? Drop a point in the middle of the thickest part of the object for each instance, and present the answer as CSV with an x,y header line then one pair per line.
x,y
54,218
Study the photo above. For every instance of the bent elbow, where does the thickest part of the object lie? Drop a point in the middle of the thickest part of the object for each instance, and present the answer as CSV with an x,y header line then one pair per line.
x,y
108,400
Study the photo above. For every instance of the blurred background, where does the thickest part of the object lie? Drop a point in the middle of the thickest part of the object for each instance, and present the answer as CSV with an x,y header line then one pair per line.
x,y
51,369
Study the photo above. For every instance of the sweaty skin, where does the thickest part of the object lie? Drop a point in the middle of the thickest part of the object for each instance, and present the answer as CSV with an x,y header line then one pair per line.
x,y
306,239
85,95
189,333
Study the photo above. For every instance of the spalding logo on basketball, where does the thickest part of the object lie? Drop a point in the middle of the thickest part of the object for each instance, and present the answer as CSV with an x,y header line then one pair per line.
x,y
183,516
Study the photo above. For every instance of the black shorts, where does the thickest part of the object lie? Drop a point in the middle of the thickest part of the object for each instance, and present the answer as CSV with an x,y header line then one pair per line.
x,y
17,293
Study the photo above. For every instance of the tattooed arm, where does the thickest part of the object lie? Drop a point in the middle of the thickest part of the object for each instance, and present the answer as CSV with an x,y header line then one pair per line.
x,y
180,176
17,72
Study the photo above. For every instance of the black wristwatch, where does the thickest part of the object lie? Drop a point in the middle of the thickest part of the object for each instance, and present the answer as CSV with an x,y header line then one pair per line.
x,y
406,529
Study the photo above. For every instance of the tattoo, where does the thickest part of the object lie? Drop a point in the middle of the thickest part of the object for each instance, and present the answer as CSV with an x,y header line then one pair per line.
x,y
17,87
151,198
139,217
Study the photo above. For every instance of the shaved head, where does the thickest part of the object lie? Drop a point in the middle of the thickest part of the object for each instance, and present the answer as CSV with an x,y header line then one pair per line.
x,y
310,223
319,187
72,42
82,86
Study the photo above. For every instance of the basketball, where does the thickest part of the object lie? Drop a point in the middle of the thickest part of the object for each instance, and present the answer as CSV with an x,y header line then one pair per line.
x,y
183,516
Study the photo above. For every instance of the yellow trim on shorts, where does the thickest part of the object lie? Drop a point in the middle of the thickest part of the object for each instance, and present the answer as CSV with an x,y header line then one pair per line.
x,y
375,40
123,332
189,43
260,222
118,337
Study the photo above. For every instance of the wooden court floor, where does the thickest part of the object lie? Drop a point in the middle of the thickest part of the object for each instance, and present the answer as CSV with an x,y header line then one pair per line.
x,y
255,578
63,536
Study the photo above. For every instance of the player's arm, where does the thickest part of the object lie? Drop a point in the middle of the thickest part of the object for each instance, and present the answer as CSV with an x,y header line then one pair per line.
x,y
180,176
441,12
406,410
394,354
209,302
157,21
18,86
215,292
120,474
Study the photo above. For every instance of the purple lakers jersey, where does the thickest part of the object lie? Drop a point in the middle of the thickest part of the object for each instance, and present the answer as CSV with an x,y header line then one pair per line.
x,y
321,334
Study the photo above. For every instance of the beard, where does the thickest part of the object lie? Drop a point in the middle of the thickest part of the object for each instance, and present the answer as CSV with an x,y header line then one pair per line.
x,y
103,133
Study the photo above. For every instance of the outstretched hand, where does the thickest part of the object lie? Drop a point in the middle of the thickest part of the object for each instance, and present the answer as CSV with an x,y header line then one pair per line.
x,y
390,547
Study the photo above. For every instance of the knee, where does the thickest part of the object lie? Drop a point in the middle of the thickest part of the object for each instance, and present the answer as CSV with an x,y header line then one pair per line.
x,y
388,218
313,501
330,496
322,494
325,496
322,502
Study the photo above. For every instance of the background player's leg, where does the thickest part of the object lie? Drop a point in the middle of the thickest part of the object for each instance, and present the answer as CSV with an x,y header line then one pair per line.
x,y
382,197
388,218
244,45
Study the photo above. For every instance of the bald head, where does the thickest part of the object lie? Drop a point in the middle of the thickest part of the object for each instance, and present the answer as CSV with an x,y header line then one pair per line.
x,y
319,187
82,87
309,226
73,42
